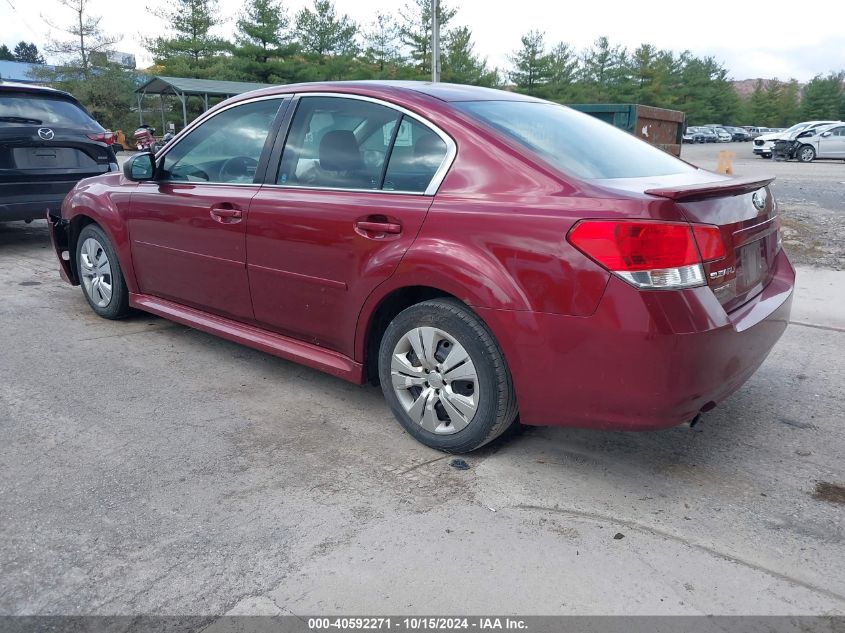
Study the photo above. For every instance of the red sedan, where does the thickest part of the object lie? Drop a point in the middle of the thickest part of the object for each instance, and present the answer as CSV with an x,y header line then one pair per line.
x,y
485,255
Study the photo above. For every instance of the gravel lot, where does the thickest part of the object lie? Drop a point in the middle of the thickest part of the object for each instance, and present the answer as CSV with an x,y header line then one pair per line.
x,y
811,195
149,468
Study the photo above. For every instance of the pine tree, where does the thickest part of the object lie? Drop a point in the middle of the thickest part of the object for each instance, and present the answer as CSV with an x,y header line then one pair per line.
x,y
27,52
823,97
5,54
562,72
382,43
532,64
461,64
320,31
416,31
191,49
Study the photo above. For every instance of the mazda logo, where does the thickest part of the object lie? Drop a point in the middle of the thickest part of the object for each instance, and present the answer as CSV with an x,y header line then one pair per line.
x,y
759,200
46,133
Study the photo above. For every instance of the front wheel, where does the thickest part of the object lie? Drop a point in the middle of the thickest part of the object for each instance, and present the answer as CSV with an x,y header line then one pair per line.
x,y
99,274
445,378
806,154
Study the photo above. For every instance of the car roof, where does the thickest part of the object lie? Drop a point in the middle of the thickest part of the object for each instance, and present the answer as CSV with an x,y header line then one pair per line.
x,y
13,86
387,88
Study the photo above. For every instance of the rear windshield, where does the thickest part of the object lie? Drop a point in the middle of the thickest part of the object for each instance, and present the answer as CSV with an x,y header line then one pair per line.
x,y
576,143
32,109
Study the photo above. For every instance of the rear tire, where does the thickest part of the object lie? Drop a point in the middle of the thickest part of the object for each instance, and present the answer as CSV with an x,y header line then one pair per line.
x,y
445,378
806,154
100,275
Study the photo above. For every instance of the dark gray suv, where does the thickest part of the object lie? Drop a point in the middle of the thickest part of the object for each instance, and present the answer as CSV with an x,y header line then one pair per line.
x,y
48,143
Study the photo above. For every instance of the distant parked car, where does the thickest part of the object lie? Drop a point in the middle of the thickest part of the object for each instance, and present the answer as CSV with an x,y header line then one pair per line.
x,y
693,135
48,143
709,135
723,134
824,142
757,131
764,144
738,134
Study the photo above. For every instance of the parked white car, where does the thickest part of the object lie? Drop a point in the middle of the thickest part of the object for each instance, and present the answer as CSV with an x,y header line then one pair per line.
x,y
827,142
764,143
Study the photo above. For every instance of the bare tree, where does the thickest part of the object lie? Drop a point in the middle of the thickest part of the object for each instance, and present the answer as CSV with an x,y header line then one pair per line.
x,y
84,37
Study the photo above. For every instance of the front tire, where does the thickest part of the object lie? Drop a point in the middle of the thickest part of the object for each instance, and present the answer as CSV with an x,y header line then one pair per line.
x,y
100,275
806,154
445,378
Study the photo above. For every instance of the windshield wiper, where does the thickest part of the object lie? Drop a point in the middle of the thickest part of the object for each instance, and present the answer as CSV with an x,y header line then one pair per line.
x,y
20,119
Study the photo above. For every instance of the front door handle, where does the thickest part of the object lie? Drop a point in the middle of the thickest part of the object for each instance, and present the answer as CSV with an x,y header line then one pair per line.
x,y
226,214
378,227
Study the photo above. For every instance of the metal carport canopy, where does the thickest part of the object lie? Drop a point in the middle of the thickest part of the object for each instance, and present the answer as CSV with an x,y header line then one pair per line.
x,y
184,87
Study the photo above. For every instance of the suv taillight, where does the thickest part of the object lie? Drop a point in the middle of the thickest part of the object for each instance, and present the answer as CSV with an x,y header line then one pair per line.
x,y
650,254
106,137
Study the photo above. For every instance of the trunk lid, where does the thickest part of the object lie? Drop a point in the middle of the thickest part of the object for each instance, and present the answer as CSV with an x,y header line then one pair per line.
x,y
746,214
26,155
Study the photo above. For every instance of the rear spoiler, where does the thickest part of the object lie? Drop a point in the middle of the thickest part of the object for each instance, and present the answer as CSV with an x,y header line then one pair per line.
x,y
719,188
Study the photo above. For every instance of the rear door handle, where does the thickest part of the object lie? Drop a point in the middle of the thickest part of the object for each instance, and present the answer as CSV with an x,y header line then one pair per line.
x,y
226,214
379,227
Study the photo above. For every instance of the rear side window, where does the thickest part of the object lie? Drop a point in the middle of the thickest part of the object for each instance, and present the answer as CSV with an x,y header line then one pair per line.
x,y
575,143
33,109
337,143
417,154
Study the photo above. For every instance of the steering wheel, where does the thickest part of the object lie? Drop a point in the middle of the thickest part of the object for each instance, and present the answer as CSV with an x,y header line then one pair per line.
x,y
238,169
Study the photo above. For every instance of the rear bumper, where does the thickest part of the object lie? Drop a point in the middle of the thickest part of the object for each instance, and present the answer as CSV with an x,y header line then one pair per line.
x,y
643,360
30,207
31,200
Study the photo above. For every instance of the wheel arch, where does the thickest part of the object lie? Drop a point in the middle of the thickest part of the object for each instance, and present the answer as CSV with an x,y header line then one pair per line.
x,y
371,329
89,205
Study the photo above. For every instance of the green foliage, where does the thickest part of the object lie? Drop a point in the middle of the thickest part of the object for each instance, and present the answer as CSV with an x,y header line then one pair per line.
x,y
5,54
28,52
461,65
192,46
383,45
416,32
320,44
532,65
321,32
823,97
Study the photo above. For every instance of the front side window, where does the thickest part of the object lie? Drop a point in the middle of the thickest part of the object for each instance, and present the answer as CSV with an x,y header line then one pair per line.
x,y
337,143
224,149
575,143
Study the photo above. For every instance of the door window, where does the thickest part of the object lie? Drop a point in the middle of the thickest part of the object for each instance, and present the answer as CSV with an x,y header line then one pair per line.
x,y
337,143
224,149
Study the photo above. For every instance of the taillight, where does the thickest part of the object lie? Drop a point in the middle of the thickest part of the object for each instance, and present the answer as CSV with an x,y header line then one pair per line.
x,y
650,254
106,137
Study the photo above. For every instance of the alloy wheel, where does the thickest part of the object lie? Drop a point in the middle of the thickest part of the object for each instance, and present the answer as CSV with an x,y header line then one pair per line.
x,y
95,270
435,380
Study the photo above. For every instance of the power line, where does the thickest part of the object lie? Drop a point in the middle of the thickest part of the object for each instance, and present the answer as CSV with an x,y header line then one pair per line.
x,y
25,23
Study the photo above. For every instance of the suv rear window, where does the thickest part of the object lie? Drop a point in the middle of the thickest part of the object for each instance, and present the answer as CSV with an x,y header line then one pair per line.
x,y
576,143
23,108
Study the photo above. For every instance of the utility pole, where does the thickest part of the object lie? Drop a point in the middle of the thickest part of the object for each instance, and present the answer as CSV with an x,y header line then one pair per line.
x,y
435,42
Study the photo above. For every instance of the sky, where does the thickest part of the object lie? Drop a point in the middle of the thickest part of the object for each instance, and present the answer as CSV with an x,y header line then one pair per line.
x,y
752,38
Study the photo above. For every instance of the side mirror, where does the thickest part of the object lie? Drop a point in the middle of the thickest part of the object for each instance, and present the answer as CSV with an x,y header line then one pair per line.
x,y
140,167
826,133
